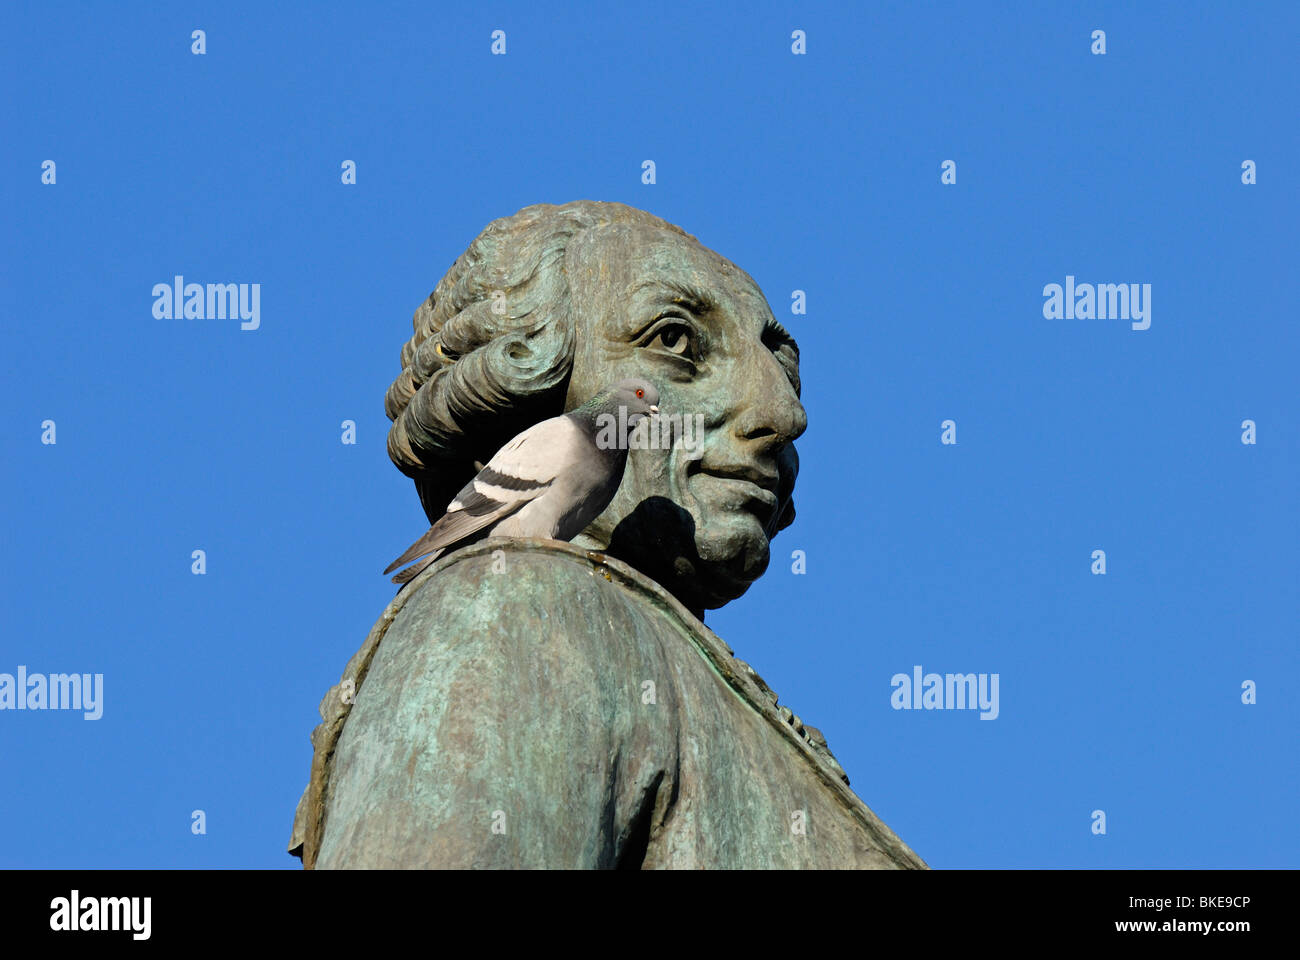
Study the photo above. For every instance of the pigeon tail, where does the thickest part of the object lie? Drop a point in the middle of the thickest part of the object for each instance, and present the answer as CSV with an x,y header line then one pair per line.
x,y
411,572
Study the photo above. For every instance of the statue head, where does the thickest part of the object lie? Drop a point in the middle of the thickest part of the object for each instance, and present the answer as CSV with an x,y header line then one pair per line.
x,y
550,305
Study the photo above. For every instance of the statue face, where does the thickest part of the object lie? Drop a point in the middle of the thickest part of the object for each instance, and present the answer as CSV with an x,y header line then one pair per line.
x,y
651,303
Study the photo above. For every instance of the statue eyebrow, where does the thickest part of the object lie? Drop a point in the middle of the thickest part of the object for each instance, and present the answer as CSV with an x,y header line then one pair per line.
x,y
775,333
693,298
699,301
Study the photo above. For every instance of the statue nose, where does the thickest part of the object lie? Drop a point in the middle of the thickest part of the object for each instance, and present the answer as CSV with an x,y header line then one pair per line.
x,y
773,423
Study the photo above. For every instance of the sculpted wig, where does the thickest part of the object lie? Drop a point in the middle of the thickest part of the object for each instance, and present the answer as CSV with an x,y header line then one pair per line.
x,y
493,346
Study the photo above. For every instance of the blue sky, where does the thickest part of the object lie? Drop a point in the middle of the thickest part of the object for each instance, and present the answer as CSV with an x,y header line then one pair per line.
x,y
818,172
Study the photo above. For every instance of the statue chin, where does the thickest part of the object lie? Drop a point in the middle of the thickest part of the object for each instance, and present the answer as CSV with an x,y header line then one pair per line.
x,y
704,562
733,552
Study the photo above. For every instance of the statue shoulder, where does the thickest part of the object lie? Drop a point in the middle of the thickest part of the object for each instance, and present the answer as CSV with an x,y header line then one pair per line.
x,y
509,573
530,591
509,669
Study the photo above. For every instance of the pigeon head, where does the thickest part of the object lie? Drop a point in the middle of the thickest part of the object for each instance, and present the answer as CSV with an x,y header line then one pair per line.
x,y
639,397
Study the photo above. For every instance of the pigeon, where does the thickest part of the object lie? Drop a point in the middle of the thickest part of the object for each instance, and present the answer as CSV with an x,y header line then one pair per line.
x,y
550,481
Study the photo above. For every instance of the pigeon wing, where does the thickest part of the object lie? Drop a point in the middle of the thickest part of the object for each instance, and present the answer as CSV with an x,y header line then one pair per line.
x,y
520,472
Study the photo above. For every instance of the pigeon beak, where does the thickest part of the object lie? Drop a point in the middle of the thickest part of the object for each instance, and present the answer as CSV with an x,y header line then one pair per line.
x,y
654,408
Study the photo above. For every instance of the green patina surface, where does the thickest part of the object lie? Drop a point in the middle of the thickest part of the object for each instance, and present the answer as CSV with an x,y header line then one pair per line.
x,y
550,705
527,703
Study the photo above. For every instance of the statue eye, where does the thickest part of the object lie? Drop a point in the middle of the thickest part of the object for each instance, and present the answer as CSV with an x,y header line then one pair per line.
x,y
675,337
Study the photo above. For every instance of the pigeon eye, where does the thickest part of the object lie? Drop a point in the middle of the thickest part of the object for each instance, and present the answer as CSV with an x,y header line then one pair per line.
x,y
640,394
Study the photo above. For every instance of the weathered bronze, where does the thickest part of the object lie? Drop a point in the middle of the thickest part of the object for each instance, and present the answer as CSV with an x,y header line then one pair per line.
x,y
528,703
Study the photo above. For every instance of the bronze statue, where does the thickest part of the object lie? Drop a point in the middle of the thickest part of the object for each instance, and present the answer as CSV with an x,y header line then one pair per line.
x,y
532,703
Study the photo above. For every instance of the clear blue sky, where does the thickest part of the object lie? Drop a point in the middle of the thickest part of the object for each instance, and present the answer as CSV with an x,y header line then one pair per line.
x,y
819,172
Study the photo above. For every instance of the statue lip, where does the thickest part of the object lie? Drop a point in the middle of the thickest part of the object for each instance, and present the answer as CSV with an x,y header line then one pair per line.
x,y
758,486
766,479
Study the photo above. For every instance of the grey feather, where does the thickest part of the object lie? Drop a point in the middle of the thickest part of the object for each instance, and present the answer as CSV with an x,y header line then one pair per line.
x,y
550,481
